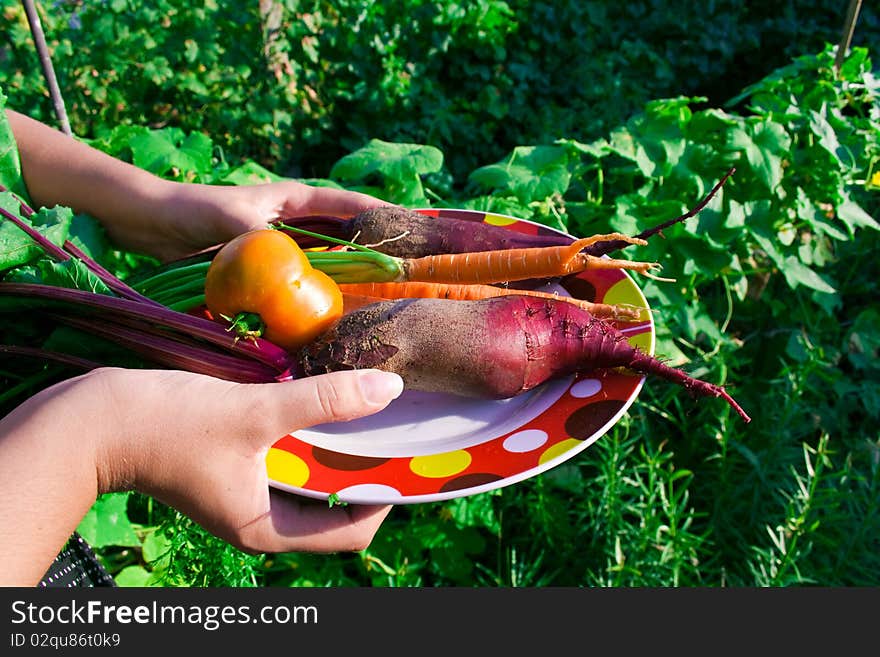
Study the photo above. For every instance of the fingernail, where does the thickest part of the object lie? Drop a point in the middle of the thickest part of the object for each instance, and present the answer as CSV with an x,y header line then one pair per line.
x,y
380,387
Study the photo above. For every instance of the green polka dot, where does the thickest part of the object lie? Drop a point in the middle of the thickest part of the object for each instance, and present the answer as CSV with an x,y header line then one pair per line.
x,y
440,465
286,468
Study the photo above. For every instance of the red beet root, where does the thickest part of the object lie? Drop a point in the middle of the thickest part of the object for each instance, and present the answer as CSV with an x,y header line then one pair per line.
x,y
492,348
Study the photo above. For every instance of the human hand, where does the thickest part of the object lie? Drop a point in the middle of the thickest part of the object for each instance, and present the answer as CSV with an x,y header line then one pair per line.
x,y
199,444
191,441
195,216
144,213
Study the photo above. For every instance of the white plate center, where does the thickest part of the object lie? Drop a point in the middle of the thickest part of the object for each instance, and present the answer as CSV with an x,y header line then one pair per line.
x,y
421,423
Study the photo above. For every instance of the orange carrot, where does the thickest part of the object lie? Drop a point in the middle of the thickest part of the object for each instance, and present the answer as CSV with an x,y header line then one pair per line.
x,y
351,302
517,264
355,294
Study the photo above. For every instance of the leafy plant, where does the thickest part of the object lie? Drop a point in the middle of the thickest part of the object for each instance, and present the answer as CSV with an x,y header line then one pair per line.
x,y
302,84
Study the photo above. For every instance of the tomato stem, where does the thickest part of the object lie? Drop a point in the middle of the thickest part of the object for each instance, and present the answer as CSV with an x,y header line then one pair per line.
x,y
246,325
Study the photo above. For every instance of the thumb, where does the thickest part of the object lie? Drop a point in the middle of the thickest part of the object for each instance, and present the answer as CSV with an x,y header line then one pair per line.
x,y
280,408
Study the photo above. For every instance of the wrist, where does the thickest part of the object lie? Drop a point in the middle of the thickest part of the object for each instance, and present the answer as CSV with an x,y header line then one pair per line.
x,y
48,477
190,217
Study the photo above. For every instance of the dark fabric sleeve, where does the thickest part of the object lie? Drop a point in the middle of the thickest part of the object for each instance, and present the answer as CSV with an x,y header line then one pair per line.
x,y
76,566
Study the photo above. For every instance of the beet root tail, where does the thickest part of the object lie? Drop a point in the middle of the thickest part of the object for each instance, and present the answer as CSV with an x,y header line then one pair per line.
x,y
649,365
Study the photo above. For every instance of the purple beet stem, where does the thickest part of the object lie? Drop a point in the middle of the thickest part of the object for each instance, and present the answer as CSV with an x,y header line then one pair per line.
x,y
260,350
46,354
169,352
62,255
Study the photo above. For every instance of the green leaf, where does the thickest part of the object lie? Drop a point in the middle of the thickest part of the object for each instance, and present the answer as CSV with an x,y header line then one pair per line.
x,y
134,576
623,143
706,126
701,257
853,68
717,226
116,142
736,215
767,244
78,343
667,348
399,161
796,273
797,348
863,340
478,510
54,223
659,132
71,273
88,236
822,129
400,165
250,173
815,217
169,149
531,173
156,546
765,144
852,214
10,167
16,246
635,212
597,149
107,523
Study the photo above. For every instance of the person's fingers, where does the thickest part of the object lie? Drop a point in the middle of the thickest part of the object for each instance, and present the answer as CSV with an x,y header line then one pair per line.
x,y
336,202
298,524
268,411
199,444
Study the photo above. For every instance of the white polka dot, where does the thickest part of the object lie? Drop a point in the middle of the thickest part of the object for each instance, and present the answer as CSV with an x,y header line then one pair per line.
x,y
369,494
525,441
586,388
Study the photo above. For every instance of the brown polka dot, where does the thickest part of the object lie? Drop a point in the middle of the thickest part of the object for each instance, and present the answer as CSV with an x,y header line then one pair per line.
x,y
339,461
460,214
469,481
588,419
580,288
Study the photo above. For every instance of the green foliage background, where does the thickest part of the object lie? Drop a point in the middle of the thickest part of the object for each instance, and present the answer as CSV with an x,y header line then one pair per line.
x,y
589,118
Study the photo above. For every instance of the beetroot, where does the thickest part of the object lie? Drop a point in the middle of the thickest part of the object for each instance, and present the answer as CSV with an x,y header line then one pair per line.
x,y
406,233
491,348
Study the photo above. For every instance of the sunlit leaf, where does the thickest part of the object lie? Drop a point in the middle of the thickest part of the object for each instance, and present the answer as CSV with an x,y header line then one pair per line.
x,y
107,523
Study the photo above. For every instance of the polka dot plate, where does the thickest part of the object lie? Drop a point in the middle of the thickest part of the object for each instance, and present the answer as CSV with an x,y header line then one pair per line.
x,y
427,447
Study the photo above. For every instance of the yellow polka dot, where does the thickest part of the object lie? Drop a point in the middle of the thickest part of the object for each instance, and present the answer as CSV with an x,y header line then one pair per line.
x,y
625,291
559,449
440,465
286,468
498,220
